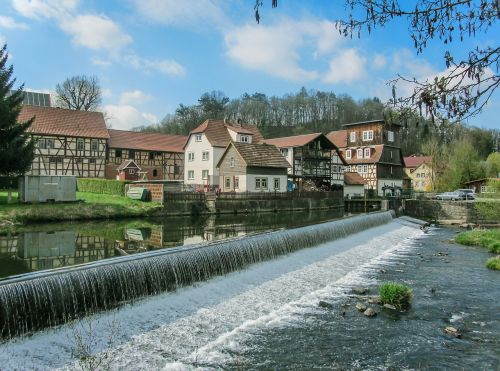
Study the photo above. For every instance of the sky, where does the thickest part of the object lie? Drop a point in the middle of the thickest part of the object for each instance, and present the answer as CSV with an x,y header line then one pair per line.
x,y
152,55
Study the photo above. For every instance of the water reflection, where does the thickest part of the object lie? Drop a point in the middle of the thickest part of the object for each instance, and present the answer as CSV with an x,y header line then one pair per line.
x,y
52,246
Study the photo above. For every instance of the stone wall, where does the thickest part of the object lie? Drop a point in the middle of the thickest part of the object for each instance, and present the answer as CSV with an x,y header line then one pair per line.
x,y
156,190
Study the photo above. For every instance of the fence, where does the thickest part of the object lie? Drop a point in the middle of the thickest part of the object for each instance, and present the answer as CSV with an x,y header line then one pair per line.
x,y
277,195
184,196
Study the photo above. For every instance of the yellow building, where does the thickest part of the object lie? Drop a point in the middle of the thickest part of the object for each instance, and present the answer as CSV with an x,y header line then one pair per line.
x,y
419,170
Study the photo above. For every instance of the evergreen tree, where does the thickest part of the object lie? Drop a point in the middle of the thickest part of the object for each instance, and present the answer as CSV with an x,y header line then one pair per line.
x,y
16,148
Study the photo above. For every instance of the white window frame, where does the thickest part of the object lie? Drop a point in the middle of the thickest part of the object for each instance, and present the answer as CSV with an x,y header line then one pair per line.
x,y
204,174
365,169
359,153
49,143
276,183
131,171
348,154
367,135
367,152
390,136
231,162
197,137
94,145
205,155
227,182
236,182
261,183
284,152
359,169
80,144
190,156
352,136
191,174
244,138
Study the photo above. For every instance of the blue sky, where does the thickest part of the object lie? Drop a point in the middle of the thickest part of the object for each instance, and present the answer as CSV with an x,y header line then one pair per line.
x,y
152,55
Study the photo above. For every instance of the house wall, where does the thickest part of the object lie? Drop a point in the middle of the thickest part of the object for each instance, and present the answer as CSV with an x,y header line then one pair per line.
x,y
66,159
421,178
354,190
380,135
198,165
337,169
251,178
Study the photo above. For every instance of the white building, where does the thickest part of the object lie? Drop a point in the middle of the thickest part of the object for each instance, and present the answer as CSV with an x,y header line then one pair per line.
x,y
205,146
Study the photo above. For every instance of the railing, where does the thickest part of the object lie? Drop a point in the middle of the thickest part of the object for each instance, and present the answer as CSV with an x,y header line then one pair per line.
x,y
277,195
184,196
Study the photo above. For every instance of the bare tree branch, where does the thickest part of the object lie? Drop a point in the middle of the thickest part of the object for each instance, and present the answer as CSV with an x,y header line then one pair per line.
x,y
80,93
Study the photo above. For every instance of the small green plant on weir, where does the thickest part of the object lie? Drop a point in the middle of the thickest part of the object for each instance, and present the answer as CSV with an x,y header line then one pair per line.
x,y
493,263
395,294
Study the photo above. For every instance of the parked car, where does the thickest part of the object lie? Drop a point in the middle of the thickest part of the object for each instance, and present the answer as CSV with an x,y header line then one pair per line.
x,y
466,194
449,196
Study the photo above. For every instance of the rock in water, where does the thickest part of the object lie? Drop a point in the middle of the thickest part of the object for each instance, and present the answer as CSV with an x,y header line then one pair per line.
x,y
389,306
370,312
374,300
359,290
361,307
325,304
452,331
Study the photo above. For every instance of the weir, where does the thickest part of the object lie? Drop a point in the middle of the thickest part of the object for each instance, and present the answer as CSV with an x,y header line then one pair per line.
x,y
34,301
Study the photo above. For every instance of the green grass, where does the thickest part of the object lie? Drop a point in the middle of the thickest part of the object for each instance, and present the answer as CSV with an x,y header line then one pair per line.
x,y
395,294
487,238
90,206
493,263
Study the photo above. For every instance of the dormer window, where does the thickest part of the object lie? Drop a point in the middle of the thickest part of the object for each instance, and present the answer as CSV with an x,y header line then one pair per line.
x,y
245,139
348,154
367,152
359,153
353,136
367,135
197,137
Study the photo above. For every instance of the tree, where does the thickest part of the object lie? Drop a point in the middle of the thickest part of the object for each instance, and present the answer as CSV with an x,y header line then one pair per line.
x,y
16,148
467,84
80,93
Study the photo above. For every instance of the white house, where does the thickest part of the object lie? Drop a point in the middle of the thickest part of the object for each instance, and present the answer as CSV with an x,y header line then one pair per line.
x,y
205,146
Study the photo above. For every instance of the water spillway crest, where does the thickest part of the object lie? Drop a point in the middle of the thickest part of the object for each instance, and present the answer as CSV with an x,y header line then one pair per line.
x,y
34,301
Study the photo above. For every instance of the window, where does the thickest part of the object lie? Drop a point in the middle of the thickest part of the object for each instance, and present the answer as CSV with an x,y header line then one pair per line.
x,y
365,169
260,183
191,174
257,183
276,183
151,155
231,162
80,144
50,143
204,155
197,137
118,153
131,171
391,169
155,172
391,154
131,154
94,145
244,139
353,136
348,154
368,135
284,152
359,153
41,143
367,152
190,156
390,136
228,183
204,174
360,169
236,182
91,160
55,160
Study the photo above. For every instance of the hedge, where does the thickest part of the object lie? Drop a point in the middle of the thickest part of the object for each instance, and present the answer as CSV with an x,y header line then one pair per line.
x,y
102,186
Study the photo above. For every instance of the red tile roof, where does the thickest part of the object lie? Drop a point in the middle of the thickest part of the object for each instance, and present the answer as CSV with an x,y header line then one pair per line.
x,y
65,122
218,135
146,141
351,178
415,161
338,137
293,141
375,154
258,155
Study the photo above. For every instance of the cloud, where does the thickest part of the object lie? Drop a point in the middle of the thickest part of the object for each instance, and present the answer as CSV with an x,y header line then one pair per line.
x,y
186,13
96,32
276,49
38,9
127,117
136,97
7,22
96,61
346,67
166,66
3,41
379,61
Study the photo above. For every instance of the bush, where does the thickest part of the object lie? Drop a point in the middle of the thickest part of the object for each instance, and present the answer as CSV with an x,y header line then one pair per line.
x,y
395,294
487,238
101,186
493,263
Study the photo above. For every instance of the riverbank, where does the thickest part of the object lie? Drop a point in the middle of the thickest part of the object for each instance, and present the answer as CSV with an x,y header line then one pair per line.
x,y
88,207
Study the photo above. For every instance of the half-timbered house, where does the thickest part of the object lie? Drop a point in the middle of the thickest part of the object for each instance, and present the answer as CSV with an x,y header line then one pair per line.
x,y
160,156
311,157
371,149
68,142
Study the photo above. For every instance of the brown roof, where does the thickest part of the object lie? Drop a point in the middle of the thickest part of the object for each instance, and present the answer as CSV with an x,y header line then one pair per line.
x,y
375,154
415,161
293,141
258,155
218,135
146,141
338,137
351,178
66,122
382,121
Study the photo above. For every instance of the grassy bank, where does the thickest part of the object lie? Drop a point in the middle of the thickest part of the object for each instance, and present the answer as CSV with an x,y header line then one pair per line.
x,y
486,238
90,206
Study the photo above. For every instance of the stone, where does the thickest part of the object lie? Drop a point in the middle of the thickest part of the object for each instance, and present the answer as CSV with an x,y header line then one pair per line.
x,y
361,307
370,312
359,290
452,331
382,271
464,225
375,300
345,305
389,306
325,304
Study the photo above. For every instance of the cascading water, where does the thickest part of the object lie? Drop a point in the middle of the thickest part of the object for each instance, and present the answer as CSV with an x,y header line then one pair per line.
x,y
34,301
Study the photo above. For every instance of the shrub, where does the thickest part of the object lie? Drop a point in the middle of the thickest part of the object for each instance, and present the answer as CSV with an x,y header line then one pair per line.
x,y
395,294
487,238
493,263
101,186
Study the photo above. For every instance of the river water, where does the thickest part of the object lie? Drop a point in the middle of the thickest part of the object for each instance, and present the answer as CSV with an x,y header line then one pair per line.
x,y
267,316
